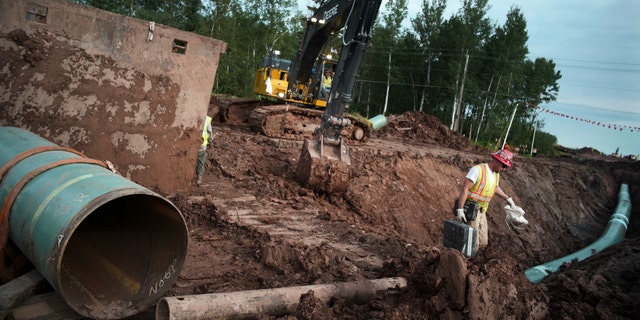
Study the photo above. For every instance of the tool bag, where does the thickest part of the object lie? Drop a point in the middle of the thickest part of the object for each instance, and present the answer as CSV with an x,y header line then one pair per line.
x,y
471,209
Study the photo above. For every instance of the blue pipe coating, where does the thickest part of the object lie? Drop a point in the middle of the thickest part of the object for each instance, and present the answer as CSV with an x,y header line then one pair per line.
x,y
109,246
614,233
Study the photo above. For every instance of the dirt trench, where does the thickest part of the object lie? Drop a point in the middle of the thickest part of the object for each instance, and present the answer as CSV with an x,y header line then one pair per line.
x,y
252,227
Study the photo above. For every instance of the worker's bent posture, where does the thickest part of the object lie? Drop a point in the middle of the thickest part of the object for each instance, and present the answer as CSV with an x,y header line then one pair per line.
x,y
481,183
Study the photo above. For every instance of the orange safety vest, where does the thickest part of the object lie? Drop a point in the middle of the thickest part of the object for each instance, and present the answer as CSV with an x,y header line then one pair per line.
x,y
482,191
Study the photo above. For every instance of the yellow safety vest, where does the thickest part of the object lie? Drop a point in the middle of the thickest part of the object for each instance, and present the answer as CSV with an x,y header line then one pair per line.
x,y
482,191
326,81
205,131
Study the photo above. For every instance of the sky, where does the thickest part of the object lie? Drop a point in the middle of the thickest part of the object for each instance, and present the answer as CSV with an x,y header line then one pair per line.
x,y
596,47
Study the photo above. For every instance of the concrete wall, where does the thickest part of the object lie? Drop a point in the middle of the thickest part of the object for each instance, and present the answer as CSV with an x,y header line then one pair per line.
x,y
113,87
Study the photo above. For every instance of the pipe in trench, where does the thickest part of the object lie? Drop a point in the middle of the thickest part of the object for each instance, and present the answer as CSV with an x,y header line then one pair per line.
x,y
275,302
614,233
110,247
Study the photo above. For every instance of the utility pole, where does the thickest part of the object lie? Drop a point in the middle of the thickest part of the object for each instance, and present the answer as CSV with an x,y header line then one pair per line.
x,y
459,107
386,98
424,90
453,113
509,128
484,108
495,96
535,127
455,101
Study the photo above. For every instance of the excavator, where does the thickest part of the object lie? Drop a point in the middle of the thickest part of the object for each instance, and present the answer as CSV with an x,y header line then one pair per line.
x,y
301,109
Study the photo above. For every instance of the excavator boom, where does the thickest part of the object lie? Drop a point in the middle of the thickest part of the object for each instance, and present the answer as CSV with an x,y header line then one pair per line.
x,y
304,107
324,162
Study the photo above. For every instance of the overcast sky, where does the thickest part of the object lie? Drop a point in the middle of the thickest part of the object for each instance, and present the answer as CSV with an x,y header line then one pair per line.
x,y
596,47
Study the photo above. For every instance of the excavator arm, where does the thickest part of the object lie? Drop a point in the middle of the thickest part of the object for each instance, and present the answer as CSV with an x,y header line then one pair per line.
x,y
324,161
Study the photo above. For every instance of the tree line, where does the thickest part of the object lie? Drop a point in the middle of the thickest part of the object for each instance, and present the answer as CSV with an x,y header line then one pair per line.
x,y
473,74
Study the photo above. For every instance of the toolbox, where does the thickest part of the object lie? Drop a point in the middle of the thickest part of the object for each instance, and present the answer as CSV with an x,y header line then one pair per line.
x,y
460,236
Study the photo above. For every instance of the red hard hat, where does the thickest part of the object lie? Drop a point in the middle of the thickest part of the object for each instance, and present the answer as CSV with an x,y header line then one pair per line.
x,y
504,156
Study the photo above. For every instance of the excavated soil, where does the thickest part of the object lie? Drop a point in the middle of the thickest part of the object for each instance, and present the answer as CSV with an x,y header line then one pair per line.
x,y
252,226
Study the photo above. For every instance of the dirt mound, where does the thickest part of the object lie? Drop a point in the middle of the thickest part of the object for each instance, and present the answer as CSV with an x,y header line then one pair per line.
x,y
419,127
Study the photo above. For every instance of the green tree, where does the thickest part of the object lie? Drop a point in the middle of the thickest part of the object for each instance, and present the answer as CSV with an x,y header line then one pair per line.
x,y
378,67
181,14
251,29
123,7
423,67
545,143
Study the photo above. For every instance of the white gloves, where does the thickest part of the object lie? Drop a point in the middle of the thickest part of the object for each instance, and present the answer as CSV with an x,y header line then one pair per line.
x,y
460,215
511,203
515,215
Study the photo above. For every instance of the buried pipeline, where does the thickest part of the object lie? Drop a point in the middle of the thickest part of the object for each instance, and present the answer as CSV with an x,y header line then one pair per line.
x,y
613,234
108,246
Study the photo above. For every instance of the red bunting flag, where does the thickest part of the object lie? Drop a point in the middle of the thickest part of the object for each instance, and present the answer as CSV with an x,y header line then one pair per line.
x,y
597,123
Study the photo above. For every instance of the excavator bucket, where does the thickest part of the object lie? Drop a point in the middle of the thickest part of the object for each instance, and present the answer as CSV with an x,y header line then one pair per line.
x,y
324,167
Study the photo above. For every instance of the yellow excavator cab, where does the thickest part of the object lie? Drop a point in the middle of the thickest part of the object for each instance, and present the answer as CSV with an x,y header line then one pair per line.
x,y
272,78
272,82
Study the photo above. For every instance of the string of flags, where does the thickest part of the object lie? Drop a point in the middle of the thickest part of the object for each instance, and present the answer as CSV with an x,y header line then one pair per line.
x,y
593,122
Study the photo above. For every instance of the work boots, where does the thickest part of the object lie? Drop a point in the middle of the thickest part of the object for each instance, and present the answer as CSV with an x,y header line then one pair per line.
x,y
199,179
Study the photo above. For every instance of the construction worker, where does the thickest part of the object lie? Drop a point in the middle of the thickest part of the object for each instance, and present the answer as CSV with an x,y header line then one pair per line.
x,y
481,183
207,137
326,83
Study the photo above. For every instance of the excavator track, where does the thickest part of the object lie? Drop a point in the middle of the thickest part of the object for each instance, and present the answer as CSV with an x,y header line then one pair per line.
x,y
233,110
291,122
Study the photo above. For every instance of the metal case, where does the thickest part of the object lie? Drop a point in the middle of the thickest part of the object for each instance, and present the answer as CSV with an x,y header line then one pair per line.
x,y
460,236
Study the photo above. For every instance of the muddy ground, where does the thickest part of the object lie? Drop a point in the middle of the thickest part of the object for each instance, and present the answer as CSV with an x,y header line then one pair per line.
x,y
252,227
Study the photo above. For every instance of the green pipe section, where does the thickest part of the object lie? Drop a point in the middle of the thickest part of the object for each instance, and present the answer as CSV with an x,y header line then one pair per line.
x,y
378,121
110,247
614,233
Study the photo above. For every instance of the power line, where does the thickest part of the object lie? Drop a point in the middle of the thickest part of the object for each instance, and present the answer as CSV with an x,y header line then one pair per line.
x,y
597,108
460,53
588,121
599,87
597,68
600,62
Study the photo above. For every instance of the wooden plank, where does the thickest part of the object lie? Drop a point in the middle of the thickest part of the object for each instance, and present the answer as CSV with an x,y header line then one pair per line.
x,y
44,307
18,290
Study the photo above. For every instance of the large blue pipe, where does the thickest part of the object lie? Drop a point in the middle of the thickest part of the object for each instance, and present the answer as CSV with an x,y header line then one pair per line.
x,y
614,233
109,246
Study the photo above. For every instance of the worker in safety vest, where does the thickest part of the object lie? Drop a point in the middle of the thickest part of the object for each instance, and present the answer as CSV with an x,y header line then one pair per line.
x,y
326,83
207,137
481,183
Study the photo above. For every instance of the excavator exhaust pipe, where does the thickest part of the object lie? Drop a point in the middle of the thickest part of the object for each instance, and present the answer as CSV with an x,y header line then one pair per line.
x,y
324,167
